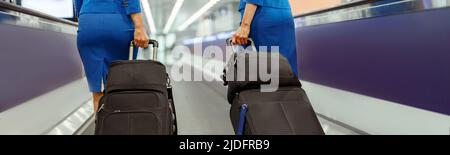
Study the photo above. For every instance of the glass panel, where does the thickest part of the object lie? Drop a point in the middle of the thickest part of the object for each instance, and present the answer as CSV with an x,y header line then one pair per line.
x,y
227,18
57,8
220,19
305,6
376,9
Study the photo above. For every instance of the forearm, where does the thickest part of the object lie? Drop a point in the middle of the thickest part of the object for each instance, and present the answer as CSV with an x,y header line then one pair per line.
x,y
249,13
241,35
137,20
140,34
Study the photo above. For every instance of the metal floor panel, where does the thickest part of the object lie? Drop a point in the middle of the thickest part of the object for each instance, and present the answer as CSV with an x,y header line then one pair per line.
x,y
200,110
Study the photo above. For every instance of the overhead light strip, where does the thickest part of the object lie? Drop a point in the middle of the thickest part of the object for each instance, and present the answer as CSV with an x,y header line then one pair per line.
x,y
173,15
148,14
197,15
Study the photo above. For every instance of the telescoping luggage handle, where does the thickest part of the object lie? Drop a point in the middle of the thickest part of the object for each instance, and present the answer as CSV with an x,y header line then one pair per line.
x,y
152,42
233,46
250,43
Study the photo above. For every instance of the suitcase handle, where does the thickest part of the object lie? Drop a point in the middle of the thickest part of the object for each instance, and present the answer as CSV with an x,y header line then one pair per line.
x,y
152,42
230,43
250,43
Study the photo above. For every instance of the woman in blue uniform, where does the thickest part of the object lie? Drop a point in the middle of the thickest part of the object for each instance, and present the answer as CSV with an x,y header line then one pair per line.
x,y
104,33
268,23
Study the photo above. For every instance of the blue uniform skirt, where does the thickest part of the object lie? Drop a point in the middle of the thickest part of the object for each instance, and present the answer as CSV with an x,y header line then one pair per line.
x,y
275,27
102,39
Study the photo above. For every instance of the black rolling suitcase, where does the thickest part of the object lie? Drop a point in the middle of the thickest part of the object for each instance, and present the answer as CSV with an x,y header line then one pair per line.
x,y
286,111
138,99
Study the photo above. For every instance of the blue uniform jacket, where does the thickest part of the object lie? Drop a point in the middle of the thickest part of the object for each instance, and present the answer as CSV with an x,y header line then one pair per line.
x,y
282,4
107,6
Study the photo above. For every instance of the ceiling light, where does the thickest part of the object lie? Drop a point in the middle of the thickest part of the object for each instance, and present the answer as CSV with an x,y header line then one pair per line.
x,y
173,15
198,14
148,14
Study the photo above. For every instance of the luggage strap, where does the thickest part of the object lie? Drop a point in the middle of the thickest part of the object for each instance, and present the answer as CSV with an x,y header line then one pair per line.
x,y
241,126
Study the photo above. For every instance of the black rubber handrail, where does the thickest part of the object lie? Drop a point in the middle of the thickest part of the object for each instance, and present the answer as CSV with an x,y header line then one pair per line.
x,y
12,7
339,7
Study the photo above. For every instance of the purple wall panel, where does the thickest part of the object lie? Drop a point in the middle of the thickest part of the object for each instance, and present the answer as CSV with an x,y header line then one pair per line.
x,y
402,58
34,62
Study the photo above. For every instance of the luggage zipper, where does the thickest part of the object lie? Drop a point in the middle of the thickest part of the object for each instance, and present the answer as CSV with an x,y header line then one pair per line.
x,y
101,108
128,111
131,111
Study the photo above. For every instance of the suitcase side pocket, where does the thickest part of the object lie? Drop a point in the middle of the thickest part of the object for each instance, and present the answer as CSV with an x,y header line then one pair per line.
x,y
134,113
130,123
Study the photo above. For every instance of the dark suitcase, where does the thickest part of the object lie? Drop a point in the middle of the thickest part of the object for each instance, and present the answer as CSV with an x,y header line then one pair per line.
x,y
138,99
236,76
286,111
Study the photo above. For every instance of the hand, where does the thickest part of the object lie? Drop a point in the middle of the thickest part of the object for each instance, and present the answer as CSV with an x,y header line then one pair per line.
x,y
140,38
241,35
